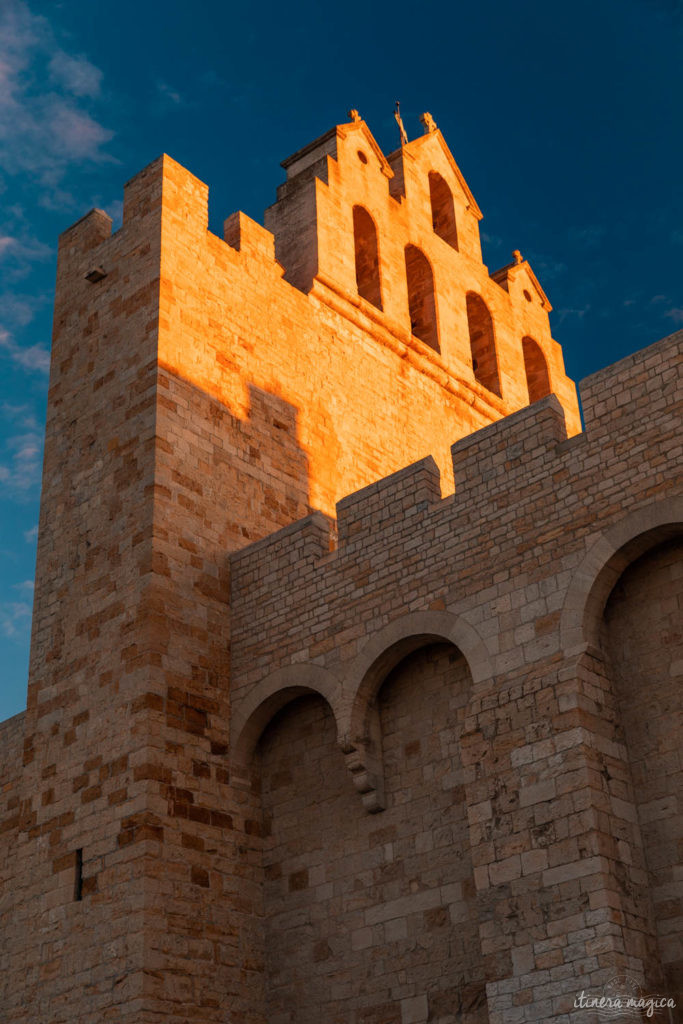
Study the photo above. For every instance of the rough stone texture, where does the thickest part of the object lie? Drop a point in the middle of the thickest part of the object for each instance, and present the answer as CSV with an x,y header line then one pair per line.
x,y
211,409
390,896
12,808
644,638
510,570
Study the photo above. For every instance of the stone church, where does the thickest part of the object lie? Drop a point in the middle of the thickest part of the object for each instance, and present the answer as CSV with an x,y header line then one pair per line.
x,y
355,682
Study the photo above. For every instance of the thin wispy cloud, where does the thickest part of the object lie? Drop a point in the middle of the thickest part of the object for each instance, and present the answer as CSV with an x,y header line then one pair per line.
x,y
212,80
547,269
75,74
25,587
34,358
675,314
45,122
578,313
21,466
19,310
18,254
31,535
589,235
22,451
494,241
56,199
115,210
15,619
22,415
167,96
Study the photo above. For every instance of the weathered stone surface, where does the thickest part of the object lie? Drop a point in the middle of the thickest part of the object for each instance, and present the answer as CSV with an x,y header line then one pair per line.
x,y
221,688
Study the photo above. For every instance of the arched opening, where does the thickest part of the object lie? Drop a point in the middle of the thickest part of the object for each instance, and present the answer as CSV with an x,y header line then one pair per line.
x,y
595,578
365,916
482,343
642,642
443,211
367,257
421,297
537,378
309,811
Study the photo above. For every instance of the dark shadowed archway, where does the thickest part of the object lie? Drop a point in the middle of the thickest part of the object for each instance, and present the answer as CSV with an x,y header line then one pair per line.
x,y
372,917
421,298
443,211
482,343
537,376
367,257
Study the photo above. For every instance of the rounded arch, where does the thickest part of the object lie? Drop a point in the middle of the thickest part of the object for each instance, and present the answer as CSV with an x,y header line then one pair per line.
x,y
603,564
252,713
421,297
388,647
443,211
366,250
482,343
536,367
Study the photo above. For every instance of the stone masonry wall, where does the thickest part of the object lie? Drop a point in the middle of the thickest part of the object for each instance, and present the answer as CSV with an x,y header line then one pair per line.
x,y
350,170
13,808
365,914
644,641
198,403
553,824
62,958
270,402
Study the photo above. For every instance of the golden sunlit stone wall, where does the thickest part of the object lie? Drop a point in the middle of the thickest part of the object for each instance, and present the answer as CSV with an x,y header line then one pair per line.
x,y
206,393
572,837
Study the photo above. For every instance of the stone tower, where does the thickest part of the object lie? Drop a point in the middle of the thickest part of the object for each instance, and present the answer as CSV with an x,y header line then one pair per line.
x,y
309,736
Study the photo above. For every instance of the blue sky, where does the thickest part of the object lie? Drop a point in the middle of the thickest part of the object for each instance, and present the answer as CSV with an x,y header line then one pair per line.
x,y
564,118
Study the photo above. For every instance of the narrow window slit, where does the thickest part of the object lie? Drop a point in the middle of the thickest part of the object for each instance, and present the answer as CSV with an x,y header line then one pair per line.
x,y
367,257
421,297
482,343
78,876
537,378
443,211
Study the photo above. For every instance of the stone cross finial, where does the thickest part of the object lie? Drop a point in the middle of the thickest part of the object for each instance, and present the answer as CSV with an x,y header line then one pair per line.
x,y
354,115
428,122
517,256
401,130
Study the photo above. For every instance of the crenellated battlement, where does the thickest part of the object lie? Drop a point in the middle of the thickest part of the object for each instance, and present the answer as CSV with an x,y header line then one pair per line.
x,y
497,461
523,461
348,217
510,453
320,539
405,493
402,261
